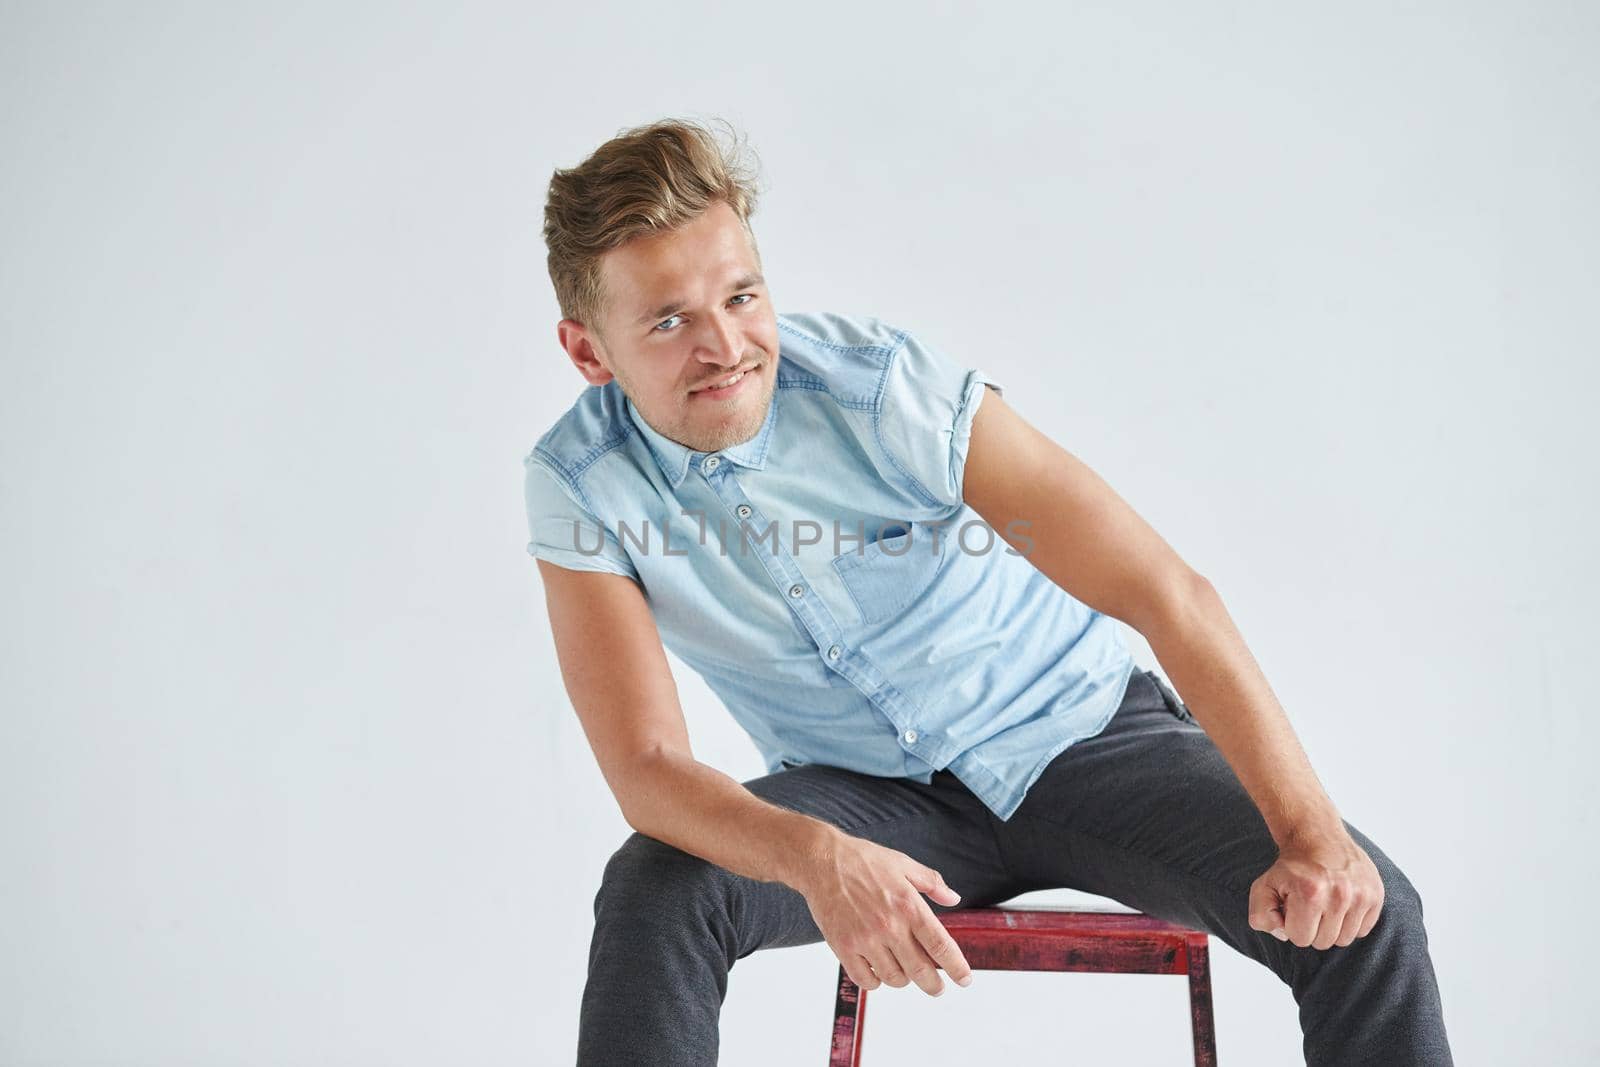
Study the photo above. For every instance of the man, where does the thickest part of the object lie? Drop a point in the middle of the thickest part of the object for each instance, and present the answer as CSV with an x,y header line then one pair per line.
x,y
953,717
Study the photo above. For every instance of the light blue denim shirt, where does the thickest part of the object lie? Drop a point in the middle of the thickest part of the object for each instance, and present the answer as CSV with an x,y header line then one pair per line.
x,y
825,577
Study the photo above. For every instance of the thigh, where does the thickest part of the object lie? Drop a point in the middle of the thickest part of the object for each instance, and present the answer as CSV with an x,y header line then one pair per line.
x,y
941,823
1149,813
655,886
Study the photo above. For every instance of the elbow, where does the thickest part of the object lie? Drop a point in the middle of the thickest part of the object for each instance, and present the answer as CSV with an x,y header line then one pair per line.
x,y
635,783
1180,601
1197,585
634,814
634,808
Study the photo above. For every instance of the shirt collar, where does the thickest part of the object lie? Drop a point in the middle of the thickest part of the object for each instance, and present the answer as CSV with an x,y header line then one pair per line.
x,y
674,458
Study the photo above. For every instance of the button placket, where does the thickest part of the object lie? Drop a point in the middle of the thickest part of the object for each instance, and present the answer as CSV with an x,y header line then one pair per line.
x,y
808,608
824,629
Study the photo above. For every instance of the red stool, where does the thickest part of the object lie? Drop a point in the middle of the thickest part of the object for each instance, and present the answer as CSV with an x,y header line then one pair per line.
x,y
1046,938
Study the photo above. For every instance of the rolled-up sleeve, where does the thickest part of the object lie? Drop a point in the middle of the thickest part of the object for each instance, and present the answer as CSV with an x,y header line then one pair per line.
x,y
563,531
925,418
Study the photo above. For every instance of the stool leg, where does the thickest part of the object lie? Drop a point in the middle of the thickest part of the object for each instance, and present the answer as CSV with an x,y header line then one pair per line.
x,y
1200,1019
849,1021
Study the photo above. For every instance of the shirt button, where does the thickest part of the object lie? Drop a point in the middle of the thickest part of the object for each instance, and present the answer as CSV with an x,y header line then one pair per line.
x,y
743,511
711,464
797,590
833,653
911,737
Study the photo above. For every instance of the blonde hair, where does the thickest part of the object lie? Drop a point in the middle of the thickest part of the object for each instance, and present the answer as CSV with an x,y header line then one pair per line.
x,y
647,180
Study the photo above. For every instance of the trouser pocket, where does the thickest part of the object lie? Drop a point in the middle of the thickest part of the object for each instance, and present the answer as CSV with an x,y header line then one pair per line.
x,y
1168,697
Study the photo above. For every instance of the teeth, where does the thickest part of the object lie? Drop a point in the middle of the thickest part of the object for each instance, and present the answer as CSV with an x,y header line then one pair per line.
x,y
730,381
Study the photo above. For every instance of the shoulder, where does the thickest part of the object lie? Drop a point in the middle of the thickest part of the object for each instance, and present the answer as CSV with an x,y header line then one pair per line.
x,y
845,355
596,423
839,330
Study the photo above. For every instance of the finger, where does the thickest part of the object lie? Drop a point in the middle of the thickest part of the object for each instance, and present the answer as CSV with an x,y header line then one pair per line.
x,y
1266,909
1370,919
860,972
944,951
929,881
919,966
856,967
1329,926
888,967
1272,923
1351,928
1301,917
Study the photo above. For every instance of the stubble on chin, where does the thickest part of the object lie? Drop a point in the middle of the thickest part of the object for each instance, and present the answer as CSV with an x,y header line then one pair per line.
x,y
737,435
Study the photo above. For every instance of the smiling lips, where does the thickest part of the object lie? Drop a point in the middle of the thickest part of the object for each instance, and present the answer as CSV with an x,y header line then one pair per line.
x,y
725,381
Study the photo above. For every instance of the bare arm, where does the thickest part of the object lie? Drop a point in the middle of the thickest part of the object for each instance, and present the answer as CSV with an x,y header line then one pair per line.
x,y
864,897
1088,540
618,679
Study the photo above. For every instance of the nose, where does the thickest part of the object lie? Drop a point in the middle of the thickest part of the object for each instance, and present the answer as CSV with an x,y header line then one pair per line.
x,y
724,347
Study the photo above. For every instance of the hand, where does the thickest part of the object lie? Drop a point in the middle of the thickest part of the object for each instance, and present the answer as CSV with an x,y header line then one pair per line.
x,y
1323,891
867,901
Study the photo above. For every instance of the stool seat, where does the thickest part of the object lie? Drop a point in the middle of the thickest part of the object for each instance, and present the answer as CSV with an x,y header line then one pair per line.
x,y
1043,937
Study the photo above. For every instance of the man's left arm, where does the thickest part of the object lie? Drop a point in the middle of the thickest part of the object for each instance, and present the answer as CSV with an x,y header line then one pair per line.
x,y
1324,889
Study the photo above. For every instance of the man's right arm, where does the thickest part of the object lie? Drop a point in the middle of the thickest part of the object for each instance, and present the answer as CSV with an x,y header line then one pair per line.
x,y
866,898
618,680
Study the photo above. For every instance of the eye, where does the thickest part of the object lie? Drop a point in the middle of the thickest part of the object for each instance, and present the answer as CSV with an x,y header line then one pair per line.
x,y
657,327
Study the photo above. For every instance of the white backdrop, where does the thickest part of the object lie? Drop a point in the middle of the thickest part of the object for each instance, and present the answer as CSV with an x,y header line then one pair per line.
x,y
287,771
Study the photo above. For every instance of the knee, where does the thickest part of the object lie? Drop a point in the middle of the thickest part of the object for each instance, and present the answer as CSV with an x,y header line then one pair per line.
x,y
646,879
1401,916
1396,942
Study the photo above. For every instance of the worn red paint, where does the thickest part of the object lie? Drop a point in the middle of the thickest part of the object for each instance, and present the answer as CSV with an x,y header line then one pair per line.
x,y
1043,938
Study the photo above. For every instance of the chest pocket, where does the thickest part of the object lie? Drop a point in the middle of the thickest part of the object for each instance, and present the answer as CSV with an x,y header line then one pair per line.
x,y
889,575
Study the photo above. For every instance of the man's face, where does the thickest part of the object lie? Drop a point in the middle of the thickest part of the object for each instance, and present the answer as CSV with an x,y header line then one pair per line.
x,y
686,310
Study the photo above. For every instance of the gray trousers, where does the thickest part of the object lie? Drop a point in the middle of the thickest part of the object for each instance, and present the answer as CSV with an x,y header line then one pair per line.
x,y
1147,813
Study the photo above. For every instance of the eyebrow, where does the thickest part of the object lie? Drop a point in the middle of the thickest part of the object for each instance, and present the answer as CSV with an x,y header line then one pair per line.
x,y
672,307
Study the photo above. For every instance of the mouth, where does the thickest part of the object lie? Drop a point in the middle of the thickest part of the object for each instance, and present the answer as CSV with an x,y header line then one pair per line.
x,y
726,385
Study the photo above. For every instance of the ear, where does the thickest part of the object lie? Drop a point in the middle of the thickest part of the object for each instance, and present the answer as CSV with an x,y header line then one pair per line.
x,y
577,340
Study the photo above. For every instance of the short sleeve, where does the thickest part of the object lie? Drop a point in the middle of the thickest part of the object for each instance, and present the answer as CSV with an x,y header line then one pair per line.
x,y
925,418
563,531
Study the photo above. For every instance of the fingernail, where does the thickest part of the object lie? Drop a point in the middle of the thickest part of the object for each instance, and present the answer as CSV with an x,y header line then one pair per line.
x,y
964,981
1280,935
